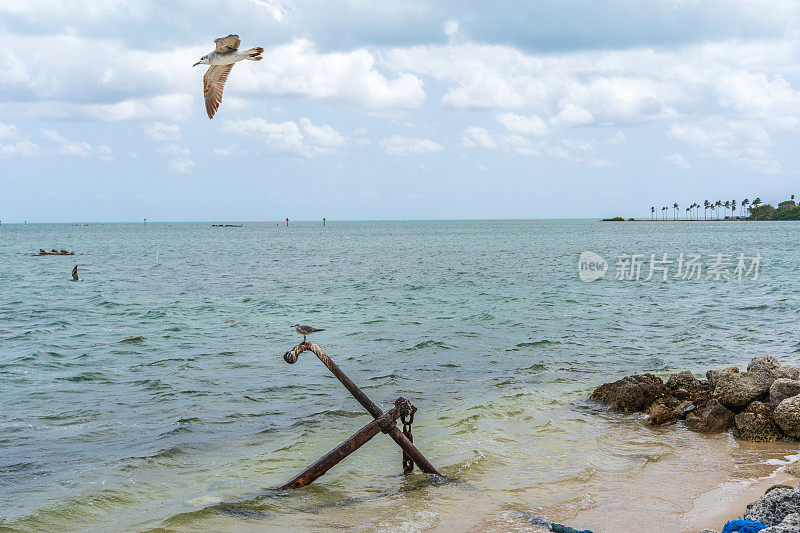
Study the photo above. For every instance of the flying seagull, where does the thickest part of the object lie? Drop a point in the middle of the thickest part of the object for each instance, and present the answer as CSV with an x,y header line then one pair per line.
x,y
221,60
75,274
305,330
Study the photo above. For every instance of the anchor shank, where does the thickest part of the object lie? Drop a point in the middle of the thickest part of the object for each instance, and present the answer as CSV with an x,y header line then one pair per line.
x,y
332,458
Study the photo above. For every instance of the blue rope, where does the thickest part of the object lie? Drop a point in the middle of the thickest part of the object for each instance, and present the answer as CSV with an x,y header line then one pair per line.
x,y
743,526
558,528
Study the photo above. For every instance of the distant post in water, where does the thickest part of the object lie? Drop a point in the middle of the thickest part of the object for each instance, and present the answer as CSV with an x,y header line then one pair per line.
x,y
287,222
323,221
145,221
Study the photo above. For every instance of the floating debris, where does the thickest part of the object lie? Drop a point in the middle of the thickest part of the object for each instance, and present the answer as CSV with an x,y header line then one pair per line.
x,y
53,252
133,339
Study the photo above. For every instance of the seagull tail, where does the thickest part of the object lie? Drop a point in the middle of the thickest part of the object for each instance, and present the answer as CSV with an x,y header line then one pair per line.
x,y
254,54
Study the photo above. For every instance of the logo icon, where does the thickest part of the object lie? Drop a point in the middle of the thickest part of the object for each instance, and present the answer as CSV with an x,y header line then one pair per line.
x,y
591,266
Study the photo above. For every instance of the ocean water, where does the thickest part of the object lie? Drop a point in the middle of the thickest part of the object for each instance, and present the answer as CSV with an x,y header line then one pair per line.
x,y
484,325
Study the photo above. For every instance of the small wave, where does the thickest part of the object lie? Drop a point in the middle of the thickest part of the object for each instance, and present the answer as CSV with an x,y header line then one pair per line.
x,y
427,344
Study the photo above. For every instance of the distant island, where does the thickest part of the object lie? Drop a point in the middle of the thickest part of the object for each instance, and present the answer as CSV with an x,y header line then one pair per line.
x,y
747,210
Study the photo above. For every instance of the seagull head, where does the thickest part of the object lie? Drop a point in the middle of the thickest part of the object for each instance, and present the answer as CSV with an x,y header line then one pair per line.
x,y
203,61
296,325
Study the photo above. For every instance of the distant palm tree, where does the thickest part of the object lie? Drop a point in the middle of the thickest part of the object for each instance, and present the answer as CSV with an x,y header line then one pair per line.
x,y
727,205
652,212
755,203
733,207
718,204
675,211
706,205
664,213
688,214
745,203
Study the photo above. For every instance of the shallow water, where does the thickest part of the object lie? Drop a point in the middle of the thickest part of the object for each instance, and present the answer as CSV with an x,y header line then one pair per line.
x,y
485,326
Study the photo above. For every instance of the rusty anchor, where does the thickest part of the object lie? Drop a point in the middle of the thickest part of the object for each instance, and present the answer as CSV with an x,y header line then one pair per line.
x,y
383,422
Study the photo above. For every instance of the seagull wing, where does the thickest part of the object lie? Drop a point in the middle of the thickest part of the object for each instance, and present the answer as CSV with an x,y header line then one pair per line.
x,y
213,84
75,272
227,44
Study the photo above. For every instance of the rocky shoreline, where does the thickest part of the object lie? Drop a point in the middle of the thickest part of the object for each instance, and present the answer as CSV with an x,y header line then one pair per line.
x,y
761,404
778,509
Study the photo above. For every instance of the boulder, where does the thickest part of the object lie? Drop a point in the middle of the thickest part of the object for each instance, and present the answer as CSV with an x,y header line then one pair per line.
x,y
783,388
773,507
736,391
633,393
713,375
788,372
787,416
666,410
793,469
755,423
683,380
790,524
713,418
764,362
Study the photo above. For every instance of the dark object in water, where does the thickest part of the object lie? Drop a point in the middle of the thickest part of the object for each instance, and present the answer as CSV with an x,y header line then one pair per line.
x,y
75,274
226,225
133,339
53,252
384,422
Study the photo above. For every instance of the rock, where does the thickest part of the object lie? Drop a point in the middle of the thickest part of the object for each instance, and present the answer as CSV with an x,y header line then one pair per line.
x,y
633,393
666,410
764,362
773,507
787,416
756,424
793,469
708,531
790,524
736,391
783,388
714,418
778,486
788,372
683,380
713,375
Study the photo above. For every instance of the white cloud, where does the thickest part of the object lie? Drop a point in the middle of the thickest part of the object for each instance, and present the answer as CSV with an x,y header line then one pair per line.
x,y
225,151
678,161
297,69
182,165
398,145
743,142
8,131
158,131
301,138
621,87
476,136
77,148
22,148
617,138
523,124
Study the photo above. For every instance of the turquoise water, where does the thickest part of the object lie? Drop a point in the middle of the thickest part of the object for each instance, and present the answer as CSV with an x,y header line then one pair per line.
x,y
484,325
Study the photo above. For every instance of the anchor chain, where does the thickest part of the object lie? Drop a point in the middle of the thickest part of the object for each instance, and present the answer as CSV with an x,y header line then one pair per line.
x,y
406,410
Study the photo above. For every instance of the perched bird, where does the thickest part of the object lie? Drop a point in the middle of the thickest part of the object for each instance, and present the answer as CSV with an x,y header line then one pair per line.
x,y
221,60
305,330
75,274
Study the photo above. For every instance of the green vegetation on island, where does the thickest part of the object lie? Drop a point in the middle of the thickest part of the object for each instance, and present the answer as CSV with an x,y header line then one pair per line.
x,y
747,210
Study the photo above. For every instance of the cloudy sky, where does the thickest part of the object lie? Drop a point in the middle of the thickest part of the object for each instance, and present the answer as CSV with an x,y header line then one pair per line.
x,y
396,109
